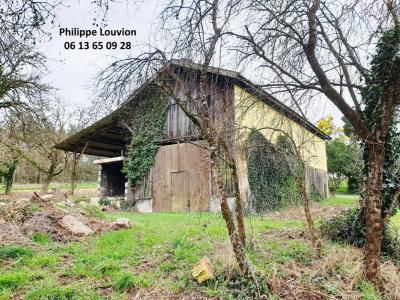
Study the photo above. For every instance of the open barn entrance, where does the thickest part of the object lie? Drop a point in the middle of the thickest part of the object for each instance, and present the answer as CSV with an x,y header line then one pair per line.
x,y
111,179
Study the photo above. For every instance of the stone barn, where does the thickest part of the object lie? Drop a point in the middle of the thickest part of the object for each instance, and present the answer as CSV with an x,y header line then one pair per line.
x,y
180,179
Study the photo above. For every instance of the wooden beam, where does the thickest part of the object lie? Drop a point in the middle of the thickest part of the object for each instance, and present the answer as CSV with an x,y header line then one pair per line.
x,y
108,160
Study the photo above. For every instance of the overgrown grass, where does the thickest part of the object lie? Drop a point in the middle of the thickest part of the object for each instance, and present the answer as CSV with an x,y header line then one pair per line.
x,y
14,252
41,238
157,255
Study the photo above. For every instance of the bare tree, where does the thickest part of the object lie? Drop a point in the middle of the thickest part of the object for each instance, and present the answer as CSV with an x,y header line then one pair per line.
x,y
82,119
316,48
199,27
21,65
33,139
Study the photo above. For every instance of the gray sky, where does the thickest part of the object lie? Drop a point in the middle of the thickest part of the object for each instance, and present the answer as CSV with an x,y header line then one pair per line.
x,y
72,71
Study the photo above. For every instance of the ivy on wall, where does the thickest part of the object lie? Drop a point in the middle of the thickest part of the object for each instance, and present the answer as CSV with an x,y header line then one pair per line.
x,y
146,125
271,182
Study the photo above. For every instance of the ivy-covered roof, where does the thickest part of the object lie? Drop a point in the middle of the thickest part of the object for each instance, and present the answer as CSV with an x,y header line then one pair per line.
x,y
108,138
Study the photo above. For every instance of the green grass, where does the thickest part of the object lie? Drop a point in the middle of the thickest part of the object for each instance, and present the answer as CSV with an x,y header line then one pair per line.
x,y
30,187
157,253
41,238
14,252
341,200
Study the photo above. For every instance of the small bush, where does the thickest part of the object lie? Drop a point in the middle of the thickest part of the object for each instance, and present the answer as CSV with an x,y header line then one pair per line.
x,y
240,287
14,252
41,238
124,282
127,204
349,228
105,201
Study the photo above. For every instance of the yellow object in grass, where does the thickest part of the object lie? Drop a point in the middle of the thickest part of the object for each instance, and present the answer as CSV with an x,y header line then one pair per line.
x,y
202,271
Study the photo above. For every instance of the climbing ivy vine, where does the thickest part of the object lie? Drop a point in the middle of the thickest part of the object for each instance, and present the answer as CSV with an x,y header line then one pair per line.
x,y
384,65
146,125
271,182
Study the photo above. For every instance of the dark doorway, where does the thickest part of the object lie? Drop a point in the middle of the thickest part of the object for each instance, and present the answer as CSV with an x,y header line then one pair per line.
x,y
112,181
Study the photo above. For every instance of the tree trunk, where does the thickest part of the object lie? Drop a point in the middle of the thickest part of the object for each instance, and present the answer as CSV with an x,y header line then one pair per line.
x,y
373,212
239,206
45,184
237,246
301,182
74,176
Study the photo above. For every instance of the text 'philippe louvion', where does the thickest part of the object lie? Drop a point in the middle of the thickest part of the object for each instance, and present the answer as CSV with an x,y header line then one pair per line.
x,y
85,33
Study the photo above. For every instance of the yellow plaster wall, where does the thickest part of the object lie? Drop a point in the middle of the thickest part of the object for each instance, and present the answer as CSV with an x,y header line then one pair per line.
x,y
252,113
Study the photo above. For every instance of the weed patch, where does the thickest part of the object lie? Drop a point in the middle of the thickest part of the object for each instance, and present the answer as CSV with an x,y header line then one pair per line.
x,y
41,238
243,287
12,280
124,282
14,252
94,212
107,267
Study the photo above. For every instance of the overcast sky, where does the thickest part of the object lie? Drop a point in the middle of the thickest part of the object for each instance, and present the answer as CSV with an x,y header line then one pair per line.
x,y
72,71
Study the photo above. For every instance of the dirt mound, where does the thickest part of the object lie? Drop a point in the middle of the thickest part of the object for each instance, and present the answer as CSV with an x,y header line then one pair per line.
x,y
22,218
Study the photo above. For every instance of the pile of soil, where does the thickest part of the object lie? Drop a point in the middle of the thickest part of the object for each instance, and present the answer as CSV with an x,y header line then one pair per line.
x,y
20,219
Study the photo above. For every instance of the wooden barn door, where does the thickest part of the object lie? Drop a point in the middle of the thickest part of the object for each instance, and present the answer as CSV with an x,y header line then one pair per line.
x,y
180,179
180,191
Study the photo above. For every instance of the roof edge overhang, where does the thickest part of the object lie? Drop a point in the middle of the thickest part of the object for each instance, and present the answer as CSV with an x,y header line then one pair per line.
x,y
78,141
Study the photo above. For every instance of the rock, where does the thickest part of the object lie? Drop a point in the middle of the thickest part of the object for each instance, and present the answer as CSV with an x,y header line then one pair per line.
x,y
47,197
203,271
121,223
69,203
75,226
